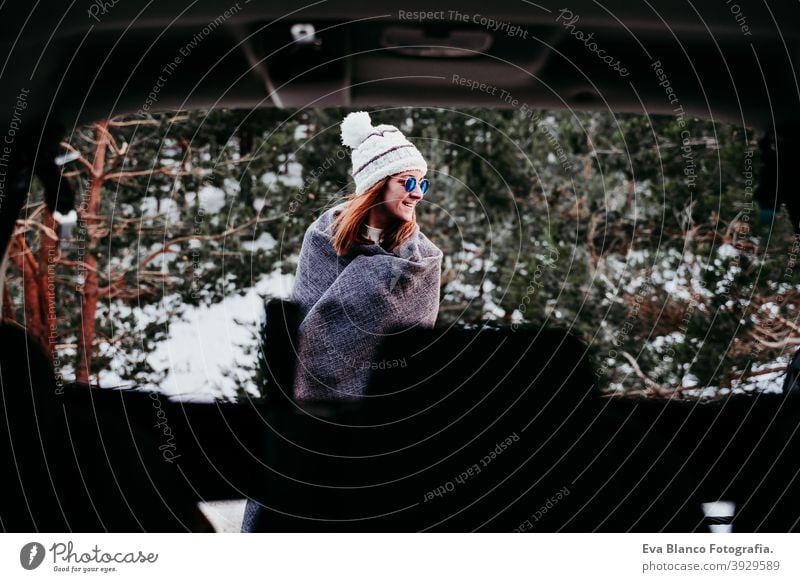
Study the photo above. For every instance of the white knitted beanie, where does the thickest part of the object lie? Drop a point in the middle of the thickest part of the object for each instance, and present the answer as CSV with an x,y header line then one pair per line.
x,y
378,151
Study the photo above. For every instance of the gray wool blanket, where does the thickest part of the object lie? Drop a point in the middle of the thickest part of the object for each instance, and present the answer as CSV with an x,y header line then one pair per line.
x,y
348,304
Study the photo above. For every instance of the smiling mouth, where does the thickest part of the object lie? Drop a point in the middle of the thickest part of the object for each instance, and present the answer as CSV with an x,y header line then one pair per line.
x,y
409,204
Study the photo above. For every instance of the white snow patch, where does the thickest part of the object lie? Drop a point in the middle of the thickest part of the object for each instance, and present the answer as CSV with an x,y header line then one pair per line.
x,y
232,186
292,176
212,199
207,342
264,242
167,207
269,179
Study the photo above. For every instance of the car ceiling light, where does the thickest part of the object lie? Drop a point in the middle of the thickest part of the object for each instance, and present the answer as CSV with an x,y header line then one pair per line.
x,y
303,33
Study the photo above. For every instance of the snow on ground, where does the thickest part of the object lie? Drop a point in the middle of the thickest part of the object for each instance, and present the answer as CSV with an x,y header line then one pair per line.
x,y
207,341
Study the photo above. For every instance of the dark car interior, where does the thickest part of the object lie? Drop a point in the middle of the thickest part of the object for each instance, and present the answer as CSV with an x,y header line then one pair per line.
x,y
80,458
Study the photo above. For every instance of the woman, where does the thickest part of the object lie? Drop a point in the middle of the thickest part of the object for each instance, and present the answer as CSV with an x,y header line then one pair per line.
x,y
365,269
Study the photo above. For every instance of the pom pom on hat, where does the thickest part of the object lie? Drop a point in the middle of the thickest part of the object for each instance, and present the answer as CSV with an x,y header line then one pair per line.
x,y
355,128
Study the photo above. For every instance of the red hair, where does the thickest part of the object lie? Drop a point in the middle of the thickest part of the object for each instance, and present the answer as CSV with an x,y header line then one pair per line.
x,y
349,223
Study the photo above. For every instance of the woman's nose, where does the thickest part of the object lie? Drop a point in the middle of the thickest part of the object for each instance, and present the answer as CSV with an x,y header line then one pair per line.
x,y
416,192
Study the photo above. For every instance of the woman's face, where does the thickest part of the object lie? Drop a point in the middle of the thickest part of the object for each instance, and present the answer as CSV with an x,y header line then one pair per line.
x,y
398,204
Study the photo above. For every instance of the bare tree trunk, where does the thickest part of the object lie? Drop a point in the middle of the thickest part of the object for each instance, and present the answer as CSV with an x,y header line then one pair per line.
x,y
88,311
23,260
47,259
89,298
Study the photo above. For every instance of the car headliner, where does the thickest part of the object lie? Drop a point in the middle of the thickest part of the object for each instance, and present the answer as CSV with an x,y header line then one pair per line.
x,y
93,59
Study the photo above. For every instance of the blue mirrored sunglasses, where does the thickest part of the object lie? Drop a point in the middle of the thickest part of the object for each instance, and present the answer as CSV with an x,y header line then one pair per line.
x,y
411,183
